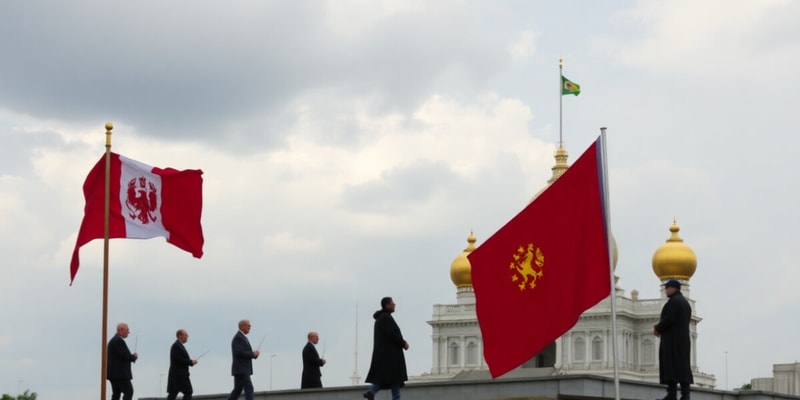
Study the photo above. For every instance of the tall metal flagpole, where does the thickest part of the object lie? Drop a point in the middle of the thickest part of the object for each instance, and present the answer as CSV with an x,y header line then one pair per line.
x,y
560,98
106,217
607,205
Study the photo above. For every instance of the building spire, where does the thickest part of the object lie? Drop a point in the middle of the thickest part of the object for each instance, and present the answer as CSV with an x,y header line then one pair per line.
x,y
561,164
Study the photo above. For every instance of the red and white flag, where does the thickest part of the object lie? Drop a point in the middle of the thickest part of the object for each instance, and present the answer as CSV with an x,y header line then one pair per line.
x,y
146,202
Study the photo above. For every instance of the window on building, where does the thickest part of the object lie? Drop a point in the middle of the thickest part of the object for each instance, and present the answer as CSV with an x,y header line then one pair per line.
x,y
472,354
648,352
628,349
454,349
597,349
580,349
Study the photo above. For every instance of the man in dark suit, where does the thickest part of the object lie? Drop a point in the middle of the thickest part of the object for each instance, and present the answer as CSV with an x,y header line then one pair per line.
x,y
118,365
179,363
242,365
311,364
674,363
388,367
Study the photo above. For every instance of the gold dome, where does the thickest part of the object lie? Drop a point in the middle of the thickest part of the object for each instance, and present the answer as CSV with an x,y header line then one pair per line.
x,y
461,269
674,259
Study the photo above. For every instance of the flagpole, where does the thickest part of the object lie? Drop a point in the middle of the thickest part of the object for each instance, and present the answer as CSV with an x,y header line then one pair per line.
x,y
106,217
613,299
560,98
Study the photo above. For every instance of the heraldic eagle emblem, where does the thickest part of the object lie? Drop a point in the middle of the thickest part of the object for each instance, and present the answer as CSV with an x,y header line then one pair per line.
x,y
142,200
527,266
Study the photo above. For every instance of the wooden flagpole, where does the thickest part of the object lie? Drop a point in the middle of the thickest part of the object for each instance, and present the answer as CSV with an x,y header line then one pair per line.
x,y
106,233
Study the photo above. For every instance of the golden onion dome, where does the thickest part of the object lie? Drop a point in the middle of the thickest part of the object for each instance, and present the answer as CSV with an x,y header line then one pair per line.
x,y
674,259
461,269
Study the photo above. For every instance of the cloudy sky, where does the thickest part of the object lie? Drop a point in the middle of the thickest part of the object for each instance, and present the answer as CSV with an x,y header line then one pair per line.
x,y
349,147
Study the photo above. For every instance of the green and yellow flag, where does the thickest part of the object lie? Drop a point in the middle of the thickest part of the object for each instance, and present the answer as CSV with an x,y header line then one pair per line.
x,y
569,87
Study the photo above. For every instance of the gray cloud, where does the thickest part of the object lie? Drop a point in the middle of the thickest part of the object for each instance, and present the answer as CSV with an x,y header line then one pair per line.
x,y
399,189
189,70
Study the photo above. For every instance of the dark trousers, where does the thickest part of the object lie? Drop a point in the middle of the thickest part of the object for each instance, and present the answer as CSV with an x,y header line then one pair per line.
x,y
121,387
241,382
672,391
187,394
395,390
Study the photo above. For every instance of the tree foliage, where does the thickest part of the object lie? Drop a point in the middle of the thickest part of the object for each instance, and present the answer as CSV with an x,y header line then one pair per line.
x,y
27,395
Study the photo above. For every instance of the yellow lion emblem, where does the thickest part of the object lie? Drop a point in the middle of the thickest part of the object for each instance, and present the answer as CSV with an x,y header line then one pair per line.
x,y
527,266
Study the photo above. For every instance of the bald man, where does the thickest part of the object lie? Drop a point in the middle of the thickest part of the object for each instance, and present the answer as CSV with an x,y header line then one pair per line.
x,y
311,363
118,370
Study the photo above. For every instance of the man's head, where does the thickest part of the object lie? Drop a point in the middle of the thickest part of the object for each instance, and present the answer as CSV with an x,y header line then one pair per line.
x,y
387,304
671,287
182,335
313,337
244,326
122,329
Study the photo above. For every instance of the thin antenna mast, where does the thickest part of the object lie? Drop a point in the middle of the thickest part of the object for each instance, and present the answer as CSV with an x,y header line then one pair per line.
x,y
560,100
355,379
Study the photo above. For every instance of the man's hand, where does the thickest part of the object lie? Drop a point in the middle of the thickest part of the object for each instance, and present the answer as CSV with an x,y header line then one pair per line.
x,y
405,345
256,353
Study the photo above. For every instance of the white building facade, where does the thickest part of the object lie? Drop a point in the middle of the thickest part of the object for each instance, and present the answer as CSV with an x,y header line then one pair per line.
x,y
785,380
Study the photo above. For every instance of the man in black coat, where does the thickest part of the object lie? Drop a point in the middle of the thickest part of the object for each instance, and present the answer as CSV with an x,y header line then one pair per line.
x,y
242,365
675,348
118,364
388,367
179,363
311,364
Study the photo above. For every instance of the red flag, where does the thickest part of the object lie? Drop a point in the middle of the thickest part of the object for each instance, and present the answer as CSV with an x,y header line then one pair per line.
x,y
536,275
146,202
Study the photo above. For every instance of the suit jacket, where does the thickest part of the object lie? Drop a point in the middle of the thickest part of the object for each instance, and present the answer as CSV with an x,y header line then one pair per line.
x,y
242,355
119,361
179,363
311,363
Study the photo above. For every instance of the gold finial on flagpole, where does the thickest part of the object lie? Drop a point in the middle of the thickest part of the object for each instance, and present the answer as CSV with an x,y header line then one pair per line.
x,y
109,127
